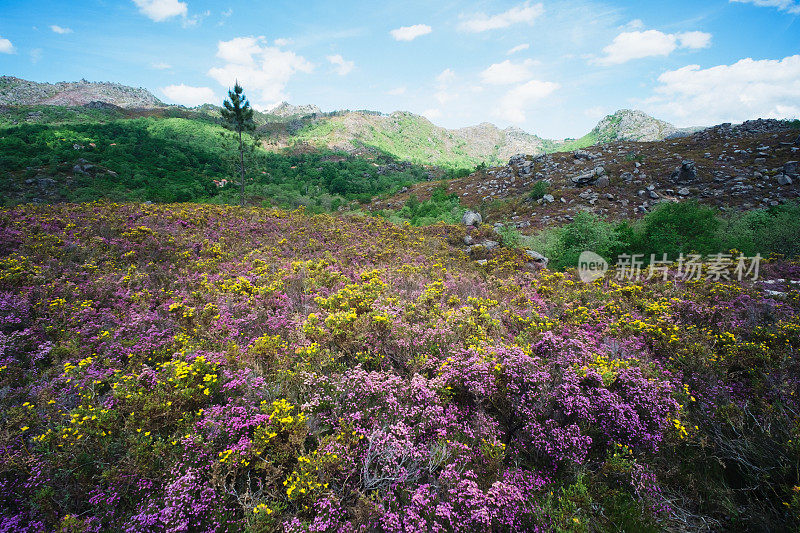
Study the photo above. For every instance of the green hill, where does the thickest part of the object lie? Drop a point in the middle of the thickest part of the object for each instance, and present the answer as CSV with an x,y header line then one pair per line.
x,y
415,138
50,154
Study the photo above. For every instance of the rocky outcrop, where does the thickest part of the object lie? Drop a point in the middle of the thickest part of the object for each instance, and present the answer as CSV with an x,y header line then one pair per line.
x,y
589,178
686,173
537,258
748,128
471,218
285,109
583,154
635,125
16,91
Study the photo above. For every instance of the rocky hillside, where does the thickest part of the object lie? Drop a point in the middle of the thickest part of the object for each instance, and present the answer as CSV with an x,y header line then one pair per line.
x,y
740,167
413,137
285,109
635,125
16,91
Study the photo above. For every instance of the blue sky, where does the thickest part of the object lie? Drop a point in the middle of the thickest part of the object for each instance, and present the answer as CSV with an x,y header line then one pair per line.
x,y
552,68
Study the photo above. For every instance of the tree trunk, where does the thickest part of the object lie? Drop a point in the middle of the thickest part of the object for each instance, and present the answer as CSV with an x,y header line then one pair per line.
x,y
241,169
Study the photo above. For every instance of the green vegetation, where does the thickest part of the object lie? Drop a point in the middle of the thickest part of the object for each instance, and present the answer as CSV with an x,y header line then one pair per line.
x,y
674,229
538,190
775,230
510,237
78,154
408,137
587,140
48,114
586,232
441,207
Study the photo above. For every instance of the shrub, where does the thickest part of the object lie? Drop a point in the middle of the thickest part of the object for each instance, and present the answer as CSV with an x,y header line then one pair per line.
x,y
586,232
209,368
675,228
538,190
441,207
764,231
510,237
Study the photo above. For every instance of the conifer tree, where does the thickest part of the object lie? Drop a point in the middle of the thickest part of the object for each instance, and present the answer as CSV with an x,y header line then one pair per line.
x,y
238,116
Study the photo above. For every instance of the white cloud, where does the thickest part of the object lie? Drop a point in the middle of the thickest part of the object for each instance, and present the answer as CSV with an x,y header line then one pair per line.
x,y
409,33
745,90
446,76
783,5
515,102
6,47
161,66
443,81
523,13
282,42
261,69
596,112
443,96
194,20
638,44
397,91
694,39
518,48
60,30
507,72
635,24
432,114
161,10
343,67
36,55
188,95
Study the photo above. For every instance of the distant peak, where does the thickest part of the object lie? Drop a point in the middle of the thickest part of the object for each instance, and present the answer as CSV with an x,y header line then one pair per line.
x,y
285,109
632,125
17,91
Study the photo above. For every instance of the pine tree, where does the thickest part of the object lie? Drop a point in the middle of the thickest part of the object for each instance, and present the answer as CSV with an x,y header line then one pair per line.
x,y
238,116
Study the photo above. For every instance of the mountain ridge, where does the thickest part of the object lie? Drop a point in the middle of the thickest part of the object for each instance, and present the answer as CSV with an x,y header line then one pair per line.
x,y
17,91
401,133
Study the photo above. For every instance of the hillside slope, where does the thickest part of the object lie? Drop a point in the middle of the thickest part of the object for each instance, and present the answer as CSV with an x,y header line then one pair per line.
x,y
53,153
213,368
16,91
737,167
634,125
401,134
413,137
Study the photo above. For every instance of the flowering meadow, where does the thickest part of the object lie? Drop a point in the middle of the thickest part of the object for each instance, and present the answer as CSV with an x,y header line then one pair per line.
x,y
215,368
